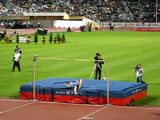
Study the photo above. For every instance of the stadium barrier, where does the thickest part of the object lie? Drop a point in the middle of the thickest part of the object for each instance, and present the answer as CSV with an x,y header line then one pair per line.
x,y
131,24
147,29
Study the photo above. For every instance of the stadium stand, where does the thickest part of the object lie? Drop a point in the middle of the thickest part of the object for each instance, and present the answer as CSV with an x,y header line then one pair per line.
x,y
123,15
97,10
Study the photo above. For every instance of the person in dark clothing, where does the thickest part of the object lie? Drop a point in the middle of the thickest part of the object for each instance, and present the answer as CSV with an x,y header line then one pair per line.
x,y
139,73
110,27
18,49
98,66
16,60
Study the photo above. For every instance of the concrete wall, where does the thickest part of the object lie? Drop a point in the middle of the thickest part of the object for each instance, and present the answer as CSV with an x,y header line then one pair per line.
x,y
43,23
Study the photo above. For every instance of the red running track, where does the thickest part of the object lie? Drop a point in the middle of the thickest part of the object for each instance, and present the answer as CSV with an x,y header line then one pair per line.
x,y
32,110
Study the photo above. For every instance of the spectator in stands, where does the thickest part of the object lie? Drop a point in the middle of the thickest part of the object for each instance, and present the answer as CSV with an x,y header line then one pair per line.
x,y
38,25
110,26
97,10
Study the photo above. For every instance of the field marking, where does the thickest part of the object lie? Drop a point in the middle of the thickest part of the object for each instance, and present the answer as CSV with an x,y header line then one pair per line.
x,y
87,116
93,105
15,108
13,100
71,104
137,107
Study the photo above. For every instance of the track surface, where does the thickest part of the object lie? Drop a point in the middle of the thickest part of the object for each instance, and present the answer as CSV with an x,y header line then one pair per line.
x,y
34,110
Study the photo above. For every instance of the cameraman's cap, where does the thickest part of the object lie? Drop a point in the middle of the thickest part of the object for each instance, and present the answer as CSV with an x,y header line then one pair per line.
x,y
98,54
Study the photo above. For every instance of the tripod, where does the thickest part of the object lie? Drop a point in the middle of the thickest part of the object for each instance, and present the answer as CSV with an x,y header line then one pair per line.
x,y
94,70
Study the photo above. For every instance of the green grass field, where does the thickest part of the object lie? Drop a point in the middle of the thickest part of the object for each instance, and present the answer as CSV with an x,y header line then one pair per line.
x,y
123,50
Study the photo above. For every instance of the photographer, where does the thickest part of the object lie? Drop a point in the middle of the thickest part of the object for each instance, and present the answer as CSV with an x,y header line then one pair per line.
x,y
98,61
139,73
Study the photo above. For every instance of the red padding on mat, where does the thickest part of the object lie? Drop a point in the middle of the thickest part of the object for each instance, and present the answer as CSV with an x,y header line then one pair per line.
x,y
41,97
126,101
44,97
140,95
83,99
27,95
70,99
93,100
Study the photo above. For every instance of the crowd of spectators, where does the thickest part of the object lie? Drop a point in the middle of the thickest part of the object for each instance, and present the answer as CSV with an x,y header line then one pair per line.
x,y
13,24
144,10
97,10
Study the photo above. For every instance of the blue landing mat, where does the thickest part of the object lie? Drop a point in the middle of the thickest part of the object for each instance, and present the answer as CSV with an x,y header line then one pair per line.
x,y
117,89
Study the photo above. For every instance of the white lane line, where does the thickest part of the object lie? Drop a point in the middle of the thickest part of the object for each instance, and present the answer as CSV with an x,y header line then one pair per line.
x,y
13,100
87,116
137,107
71,104
15,108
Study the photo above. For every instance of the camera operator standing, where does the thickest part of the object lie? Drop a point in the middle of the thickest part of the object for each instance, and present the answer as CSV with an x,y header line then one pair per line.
x,y
98,66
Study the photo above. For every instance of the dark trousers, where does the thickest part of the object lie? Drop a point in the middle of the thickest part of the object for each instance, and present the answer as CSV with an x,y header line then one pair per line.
x,y
139,79
98,75
16,64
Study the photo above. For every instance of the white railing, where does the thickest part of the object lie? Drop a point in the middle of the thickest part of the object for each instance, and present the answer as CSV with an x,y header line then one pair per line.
x,y
132,24
44,14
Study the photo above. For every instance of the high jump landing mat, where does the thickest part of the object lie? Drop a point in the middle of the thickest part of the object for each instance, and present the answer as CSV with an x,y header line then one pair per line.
x,y
91,92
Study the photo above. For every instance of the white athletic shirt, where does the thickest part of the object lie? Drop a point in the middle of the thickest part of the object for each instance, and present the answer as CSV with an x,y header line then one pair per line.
x,y
17,56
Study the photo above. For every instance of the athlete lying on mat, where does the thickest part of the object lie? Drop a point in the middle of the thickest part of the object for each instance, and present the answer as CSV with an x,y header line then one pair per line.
x,y
74,85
